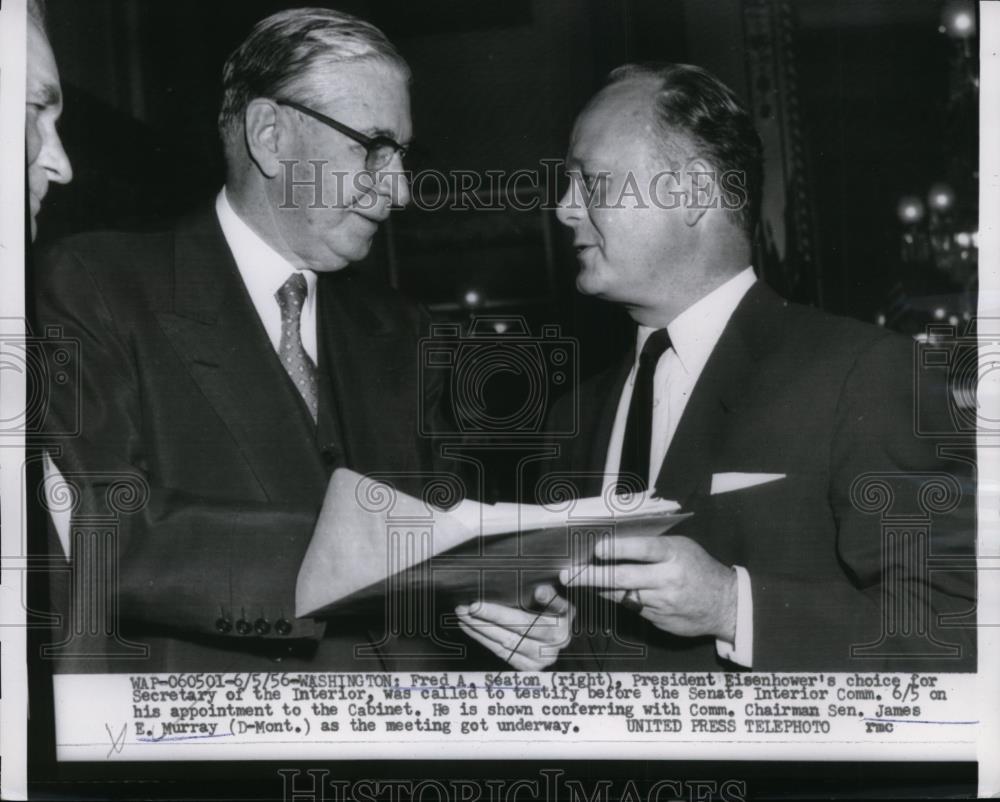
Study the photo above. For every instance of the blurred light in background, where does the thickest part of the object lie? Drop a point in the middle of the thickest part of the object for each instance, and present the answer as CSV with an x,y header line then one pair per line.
x,y
958,19
910,209
941,197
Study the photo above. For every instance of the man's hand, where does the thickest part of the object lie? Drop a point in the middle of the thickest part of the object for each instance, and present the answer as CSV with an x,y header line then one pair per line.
x,y
528,641
682,589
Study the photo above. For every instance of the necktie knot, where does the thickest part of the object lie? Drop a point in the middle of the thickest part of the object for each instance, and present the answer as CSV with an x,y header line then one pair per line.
x,y
656,345
292,294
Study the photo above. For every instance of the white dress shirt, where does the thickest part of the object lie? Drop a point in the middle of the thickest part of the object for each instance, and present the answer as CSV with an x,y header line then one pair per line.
x,y
693,336
264,270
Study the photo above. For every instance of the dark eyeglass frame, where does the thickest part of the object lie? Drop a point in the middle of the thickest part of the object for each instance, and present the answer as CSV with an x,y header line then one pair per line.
x,y
379,149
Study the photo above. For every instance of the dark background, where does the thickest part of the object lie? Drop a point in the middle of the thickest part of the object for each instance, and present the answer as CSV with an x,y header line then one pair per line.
x,y
866,105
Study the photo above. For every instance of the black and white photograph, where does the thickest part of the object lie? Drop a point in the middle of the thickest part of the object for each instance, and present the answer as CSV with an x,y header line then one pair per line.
x,y
539,399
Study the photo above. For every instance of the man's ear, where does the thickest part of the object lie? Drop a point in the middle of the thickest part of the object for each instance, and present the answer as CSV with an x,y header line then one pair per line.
x,y
701,188
263,135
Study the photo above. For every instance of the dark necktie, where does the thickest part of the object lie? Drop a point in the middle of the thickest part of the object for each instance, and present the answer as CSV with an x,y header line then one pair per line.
x,y
291,296
639,429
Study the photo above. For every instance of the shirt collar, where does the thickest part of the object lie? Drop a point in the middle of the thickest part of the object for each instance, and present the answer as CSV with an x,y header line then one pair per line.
x,y
696,330
263,269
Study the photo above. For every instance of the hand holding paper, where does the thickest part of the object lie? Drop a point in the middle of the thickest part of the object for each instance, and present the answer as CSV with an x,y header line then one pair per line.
x,y
370,539
674,582
528,641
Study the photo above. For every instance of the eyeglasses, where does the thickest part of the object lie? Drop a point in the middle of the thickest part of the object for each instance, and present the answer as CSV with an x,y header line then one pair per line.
x,y
379,149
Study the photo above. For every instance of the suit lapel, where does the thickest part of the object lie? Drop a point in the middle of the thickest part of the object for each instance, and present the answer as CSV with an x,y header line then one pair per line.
x,y
216,331
692,456
687,466
369,361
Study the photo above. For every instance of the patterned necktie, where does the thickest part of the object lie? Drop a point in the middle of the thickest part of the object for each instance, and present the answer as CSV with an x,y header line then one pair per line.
x,y
291,296
639,429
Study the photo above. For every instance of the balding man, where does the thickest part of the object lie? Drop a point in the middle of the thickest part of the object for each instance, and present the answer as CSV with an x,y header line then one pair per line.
x,y
785,430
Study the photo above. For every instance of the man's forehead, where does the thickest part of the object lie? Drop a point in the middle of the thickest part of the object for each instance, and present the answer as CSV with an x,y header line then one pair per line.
x,y
42,74
610,124
371,95
619,125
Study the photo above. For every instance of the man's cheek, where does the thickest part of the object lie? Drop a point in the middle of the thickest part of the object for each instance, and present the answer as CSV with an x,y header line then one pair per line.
x,y
598,228
33,138
349,190
37,180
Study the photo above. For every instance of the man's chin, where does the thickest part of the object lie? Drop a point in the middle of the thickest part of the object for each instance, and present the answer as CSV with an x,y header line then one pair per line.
x,y
361,250
587,283
344,258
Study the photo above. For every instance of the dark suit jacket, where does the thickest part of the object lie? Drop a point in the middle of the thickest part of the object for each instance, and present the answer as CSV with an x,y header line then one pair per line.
x,y
178,384
830,403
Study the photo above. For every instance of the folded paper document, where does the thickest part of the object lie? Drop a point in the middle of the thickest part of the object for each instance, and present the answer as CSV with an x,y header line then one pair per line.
x,y
372,540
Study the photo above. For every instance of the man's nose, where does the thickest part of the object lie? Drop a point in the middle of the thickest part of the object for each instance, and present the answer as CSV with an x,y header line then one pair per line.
x,y
401,191
396,183
54,159
568,209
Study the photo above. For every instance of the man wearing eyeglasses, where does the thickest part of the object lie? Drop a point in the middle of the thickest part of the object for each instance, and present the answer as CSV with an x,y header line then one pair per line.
x,y
231,363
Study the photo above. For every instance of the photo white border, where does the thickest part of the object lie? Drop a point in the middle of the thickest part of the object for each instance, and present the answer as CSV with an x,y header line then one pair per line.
x,y
13,634
13,705
988,453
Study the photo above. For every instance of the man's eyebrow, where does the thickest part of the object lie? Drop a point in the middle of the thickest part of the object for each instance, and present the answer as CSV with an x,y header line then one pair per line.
x,y
47,95
383,132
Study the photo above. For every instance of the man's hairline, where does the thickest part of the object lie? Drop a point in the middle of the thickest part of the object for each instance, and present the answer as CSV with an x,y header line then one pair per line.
x,y
234,151
237,129
658,139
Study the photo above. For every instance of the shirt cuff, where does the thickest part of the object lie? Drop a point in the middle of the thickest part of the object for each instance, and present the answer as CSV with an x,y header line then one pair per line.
x,y
740,652
59,513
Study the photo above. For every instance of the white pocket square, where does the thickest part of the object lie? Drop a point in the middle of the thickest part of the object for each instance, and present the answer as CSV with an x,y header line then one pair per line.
x,y
728,482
